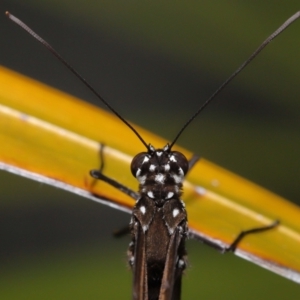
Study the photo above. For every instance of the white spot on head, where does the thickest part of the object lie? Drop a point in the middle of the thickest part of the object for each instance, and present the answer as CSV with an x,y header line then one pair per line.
x,y
150,195
152,168
180,172
159,153
167,167
160,178
145,228
138,172
169,195
141,179
143,209
152,149
146,159
175,212
172,158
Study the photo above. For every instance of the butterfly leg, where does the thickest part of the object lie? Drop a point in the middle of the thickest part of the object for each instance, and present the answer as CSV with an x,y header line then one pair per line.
x,y
244,233
98,174
232,247
101,167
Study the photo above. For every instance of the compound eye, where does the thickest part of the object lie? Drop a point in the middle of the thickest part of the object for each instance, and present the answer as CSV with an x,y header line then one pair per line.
x,y
137,162
181,161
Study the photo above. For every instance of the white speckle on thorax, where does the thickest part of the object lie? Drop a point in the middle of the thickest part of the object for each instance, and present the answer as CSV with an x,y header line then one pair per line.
x,y
169,195
175,212
160,178
150,195
143,209
177,178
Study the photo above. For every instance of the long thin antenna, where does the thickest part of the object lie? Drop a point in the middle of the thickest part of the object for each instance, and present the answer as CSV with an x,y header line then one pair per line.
x,y
55,53
253,55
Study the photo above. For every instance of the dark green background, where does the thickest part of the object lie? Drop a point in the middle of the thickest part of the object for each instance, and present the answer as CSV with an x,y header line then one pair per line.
x,y
153,60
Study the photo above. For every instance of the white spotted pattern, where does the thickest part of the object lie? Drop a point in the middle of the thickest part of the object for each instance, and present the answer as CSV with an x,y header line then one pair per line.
x,y
175,212
159,153
160,178
138,172
152,168
177,178
142,179
143,209
150,195
180,171
172,158
146,159
167,167
169,195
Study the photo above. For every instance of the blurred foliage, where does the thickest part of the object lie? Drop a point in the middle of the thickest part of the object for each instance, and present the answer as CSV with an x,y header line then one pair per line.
x,y
75,275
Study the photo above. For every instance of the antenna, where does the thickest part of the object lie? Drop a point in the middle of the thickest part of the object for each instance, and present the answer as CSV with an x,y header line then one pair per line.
x,y
237,71
55,53
225,83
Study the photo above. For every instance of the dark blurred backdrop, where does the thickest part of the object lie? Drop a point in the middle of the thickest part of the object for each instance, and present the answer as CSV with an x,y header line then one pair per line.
x,y
153,61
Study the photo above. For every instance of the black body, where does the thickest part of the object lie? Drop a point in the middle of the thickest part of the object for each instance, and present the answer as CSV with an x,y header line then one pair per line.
x,y
158,225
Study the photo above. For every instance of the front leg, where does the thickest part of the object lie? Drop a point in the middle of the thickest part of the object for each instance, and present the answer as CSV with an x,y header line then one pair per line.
x,y
100,176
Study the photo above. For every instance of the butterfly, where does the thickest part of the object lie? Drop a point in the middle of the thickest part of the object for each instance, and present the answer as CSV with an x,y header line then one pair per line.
x,y
158,261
